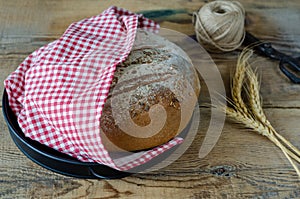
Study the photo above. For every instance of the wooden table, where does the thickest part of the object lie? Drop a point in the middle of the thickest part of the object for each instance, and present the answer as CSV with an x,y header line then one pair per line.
x,y
243,164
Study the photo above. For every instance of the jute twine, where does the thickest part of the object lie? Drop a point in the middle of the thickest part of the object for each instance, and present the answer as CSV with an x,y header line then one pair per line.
x,y
219,25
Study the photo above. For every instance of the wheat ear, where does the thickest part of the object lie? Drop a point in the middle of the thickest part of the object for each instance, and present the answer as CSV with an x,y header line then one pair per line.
x,y
253,116
257,110
238,80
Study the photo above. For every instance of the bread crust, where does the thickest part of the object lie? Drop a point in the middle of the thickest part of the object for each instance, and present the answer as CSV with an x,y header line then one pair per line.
x,y
152,96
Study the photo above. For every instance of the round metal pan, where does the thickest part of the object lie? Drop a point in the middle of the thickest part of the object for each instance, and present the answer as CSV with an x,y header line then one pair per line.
x,y
52,159
67,165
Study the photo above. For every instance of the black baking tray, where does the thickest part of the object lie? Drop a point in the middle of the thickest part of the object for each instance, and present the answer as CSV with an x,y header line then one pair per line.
x,y
52,159
64,164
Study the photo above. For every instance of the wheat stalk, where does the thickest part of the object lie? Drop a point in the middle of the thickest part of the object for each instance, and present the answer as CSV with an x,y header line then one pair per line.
x,y
248,121
253,116
257,110
238,80
263,130
288,144
254,96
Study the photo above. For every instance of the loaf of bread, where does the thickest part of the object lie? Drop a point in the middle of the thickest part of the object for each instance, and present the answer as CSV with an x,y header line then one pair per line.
x,y
152,96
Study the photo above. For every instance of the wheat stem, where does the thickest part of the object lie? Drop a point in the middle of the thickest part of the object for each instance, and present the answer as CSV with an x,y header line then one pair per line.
x,y
263,130
258,127
284,150
290,145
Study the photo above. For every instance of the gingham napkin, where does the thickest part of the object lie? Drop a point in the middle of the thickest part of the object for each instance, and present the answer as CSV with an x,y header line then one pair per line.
x,y
58,92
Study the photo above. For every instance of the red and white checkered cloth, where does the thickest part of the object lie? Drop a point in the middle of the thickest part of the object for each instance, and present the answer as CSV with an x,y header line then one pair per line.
x,y
58,92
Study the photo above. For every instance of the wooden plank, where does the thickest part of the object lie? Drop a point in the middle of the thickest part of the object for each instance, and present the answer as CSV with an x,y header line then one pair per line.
x,y
49,20
53,17
243,164
276,89
21,37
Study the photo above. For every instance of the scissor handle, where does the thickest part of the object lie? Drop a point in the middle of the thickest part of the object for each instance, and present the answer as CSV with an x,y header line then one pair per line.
x,y
289,64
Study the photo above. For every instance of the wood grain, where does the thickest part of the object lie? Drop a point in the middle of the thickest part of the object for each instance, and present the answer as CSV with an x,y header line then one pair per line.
x,y
242,164
278,24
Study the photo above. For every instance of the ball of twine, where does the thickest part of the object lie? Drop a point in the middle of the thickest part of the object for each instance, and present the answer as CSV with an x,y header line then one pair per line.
x,y
219,25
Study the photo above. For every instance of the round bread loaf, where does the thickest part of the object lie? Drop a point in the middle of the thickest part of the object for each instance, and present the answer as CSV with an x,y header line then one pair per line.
x,y
152,96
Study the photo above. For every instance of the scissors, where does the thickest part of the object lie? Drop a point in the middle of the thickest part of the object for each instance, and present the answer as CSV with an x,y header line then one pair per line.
x,y
287,64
